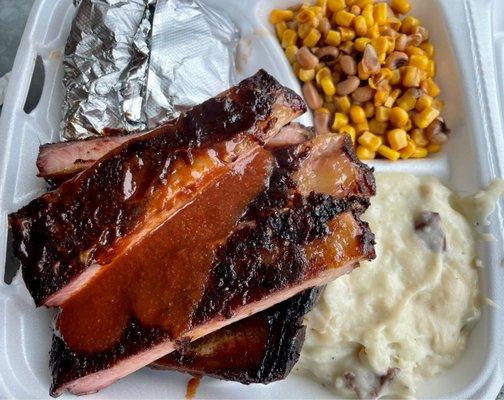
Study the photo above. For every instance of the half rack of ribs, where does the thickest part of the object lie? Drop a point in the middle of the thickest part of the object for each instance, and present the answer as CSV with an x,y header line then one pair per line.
x,y
176,234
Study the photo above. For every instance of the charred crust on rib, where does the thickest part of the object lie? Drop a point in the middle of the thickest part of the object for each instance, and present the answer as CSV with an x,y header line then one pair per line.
x,y
262,361
68,366
367,185
55,234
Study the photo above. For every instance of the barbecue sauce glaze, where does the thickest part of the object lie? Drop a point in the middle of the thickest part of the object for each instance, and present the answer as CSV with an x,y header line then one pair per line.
x,y
162,280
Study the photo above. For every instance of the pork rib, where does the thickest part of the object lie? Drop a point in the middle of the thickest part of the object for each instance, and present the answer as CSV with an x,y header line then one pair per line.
x,y
66,237
262,348
59,162
285,243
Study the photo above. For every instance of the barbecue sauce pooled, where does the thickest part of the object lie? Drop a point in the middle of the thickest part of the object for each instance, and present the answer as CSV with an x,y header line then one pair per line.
x,y
164,278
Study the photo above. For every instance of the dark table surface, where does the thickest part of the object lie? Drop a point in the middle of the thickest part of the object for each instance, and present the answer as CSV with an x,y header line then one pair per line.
x,y
13,16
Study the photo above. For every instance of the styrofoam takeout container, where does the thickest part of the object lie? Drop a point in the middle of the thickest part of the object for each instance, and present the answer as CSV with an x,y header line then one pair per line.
x,y
469,39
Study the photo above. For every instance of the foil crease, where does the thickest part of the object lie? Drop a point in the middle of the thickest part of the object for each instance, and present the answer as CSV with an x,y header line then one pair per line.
x,y
132,65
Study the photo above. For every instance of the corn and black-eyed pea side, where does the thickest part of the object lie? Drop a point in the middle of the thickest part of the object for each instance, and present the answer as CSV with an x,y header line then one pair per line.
x,y
367,70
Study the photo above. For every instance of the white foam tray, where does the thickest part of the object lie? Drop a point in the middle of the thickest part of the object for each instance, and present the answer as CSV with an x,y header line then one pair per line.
x,y
469,38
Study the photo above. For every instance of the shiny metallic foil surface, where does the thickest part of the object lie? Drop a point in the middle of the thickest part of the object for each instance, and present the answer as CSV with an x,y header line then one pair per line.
x,y
131,65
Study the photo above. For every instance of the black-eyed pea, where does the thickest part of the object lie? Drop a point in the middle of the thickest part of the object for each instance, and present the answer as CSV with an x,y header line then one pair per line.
x,y
321,120
363,94
327,53
348,65
312,96
306,58
347,86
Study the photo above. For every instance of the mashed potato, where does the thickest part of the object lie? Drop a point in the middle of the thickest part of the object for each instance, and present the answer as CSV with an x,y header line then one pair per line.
x,y
406,315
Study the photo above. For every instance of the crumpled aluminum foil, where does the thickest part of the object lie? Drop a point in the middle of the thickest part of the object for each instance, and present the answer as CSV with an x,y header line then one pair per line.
x,y
132,65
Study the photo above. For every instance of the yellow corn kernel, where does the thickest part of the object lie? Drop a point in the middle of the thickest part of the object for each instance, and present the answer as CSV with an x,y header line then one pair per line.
x,y
361,127
322,73
343,104
418,136
363,153
407,101
380,44
317,10
390,44
363,75
327,85
305,16
367,13
363,3
434,148
380,13
397,139
357,114
333,38
382,57
373,31
392,98
336,5
408,125
432,88
312,39
400,6
361,43
398,117
420,152
360,26
304,30
377,127
277,16
346,34
369,140
438,104
408,150
394,23
322,4
418,61
348,130
306,74
426,117
409,24
411,76
369,109
431,69
290,53
425,101
340,120
381,95
280,28
382,114
428,49
289,38
387,152
346,47
396,77
414,51
343,18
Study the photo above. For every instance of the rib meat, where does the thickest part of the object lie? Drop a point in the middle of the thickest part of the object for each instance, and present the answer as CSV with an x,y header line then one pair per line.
x,y
260,247
264,347
58,162
70,235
